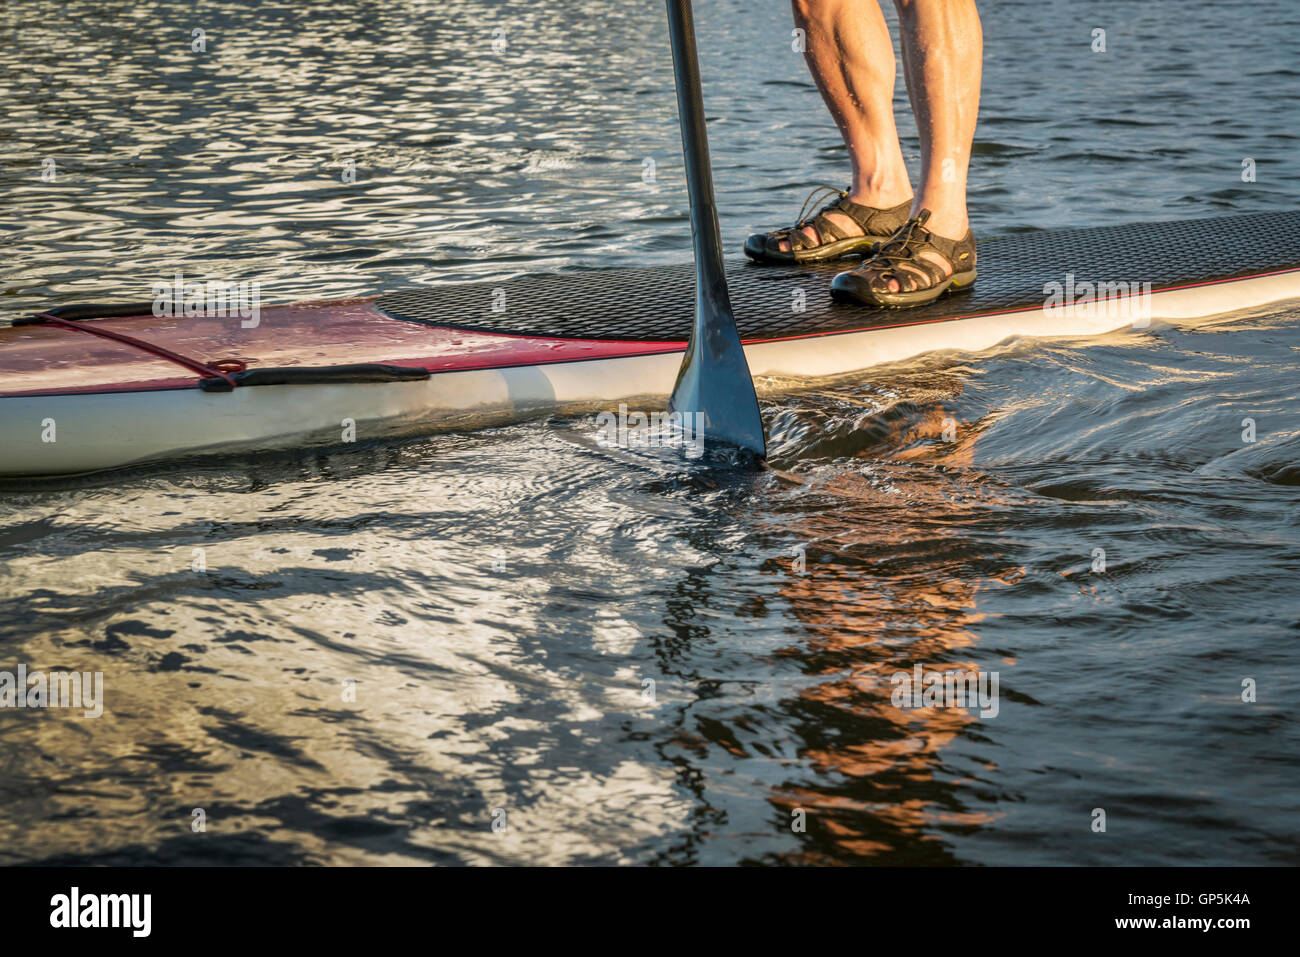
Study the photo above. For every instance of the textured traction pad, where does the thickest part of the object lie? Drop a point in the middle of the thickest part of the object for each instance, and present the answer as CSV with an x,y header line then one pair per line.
x,y
656,304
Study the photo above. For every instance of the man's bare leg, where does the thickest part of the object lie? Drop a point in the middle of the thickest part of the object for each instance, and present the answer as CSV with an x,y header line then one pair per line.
x,y
943,49
851,58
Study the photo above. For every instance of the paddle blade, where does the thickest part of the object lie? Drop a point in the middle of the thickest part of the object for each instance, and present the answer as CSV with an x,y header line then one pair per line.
x,y
714,383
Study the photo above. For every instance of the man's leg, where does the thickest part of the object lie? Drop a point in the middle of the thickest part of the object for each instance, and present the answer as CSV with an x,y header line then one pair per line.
x,y
851,58
943,49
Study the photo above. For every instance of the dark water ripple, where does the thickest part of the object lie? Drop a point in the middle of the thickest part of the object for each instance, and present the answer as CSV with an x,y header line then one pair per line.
x,y
498,600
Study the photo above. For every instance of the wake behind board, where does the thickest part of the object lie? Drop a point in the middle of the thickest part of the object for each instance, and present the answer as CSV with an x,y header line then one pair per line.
x,y
444,355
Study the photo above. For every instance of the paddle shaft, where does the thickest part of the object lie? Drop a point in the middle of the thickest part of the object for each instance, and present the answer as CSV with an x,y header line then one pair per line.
x,y
712,291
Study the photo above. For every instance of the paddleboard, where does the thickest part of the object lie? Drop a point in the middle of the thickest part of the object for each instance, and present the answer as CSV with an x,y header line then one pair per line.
x,y
460,354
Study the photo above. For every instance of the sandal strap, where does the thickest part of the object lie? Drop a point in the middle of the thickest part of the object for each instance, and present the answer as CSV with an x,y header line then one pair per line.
x,y
868,216
864,216
899,258
794,234
827,227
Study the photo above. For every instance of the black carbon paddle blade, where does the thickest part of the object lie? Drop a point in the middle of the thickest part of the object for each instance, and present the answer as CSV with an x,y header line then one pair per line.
x,y
714,380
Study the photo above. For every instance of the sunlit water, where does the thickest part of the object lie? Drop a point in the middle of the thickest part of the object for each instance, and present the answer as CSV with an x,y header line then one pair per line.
x,y
618,655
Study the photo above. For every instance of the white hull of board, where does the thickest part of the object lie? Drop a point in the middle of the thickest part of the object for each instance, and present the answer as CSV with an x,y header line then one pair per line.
x,y
98,431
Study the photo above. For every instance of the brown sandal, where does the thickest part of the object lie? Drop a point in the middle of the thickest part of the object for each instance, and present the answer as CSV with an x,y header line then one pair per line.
x,y
877,226
920,280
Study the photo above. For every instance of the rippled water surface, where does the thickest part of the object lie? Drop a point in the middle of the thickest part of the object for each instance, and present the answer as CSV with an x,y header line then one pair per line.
x,y
370,656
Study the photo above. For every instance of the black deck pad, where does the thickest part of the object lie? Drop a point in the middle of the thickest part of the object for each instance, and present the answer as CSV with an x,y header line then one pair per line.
x,y
656,303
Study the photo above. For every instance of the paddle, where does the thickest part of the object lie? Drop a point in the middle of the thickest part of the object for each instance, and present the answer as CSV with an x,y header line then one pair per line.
x,y
714,378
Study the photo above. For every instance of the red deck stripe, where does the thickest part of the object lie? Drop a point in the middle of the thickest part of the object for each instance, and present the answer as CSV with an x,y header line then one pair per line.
x,y
651,348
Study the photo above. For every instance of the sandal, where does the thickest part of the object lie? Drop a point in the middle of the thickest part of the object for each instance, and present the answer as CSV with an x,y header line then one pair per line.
x,y
920,279
877,226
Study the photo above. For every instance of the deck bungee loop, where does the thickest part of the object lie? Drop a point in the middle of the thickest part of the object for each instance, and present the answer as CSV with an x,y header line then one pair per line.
x,y
217,372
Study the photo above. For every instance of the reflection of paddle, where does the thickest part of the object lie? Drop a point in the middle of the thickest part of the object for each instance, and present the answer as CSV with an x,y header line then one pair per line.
x,y
714,378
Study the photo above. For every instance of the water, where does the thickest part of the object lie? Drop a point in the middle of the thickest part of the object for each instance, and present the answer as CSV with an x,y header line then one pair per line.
x,y
369,656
